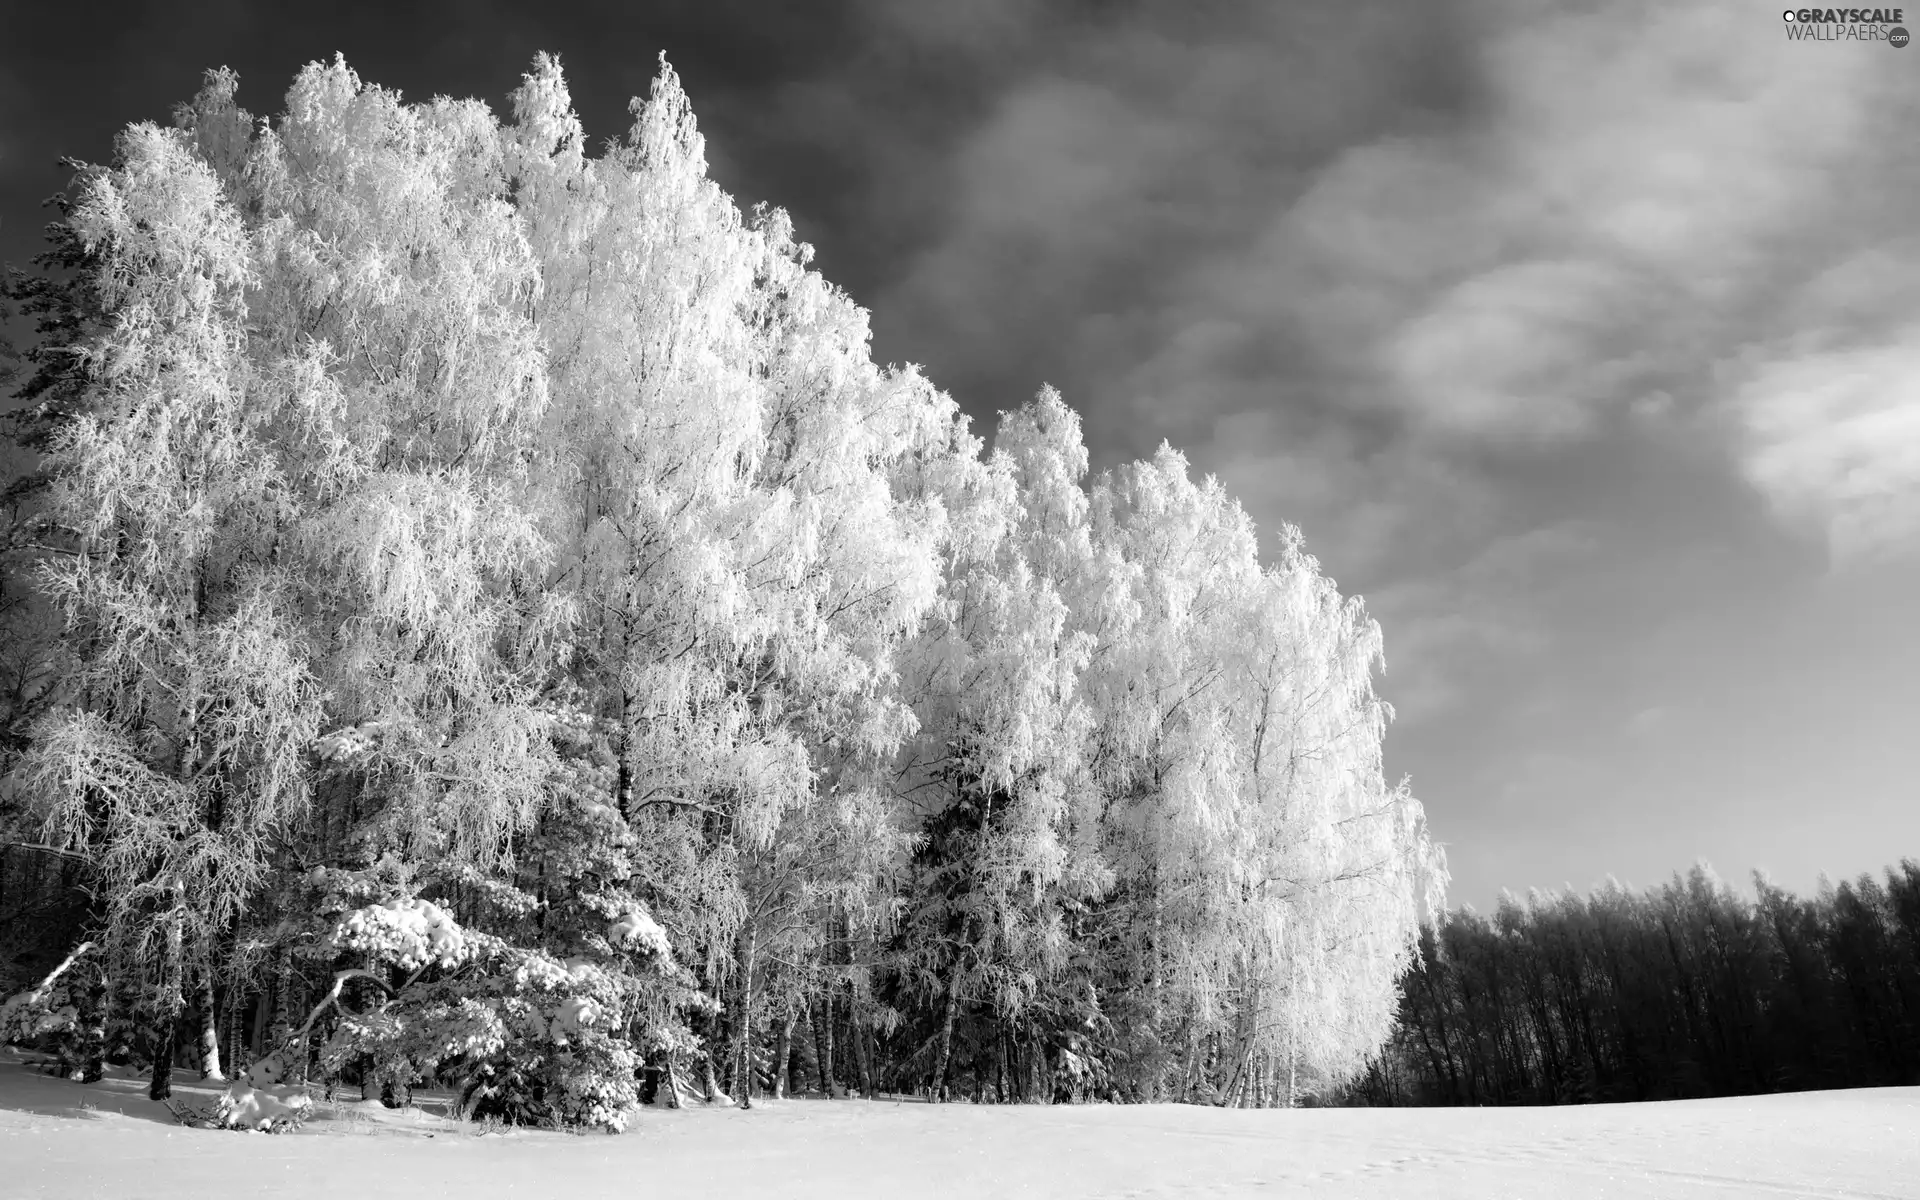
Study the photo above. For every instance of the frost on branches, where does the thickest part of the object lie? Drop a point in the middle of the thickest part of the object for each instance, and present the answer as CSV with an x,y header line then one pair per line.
x,y
514,625
640,932
409,933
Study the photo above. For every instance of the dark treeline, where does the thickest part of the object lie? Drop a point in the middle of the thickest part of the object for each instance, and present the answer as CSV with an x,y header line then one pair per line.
x,y
1686,990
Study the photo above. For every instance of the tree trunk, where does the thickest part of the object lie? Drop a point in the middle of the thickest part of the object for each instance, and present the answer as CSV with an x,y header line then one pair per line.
x,y
282,1025
161,1085
946,1038
1005,1080
1049,1078
823,1039
868,1058
257,1039
1236,1082
863,1049
167,1019
94,1010
209,1027
783,1054
673,1080
743,1072
862,1066
236,1005
1187,1064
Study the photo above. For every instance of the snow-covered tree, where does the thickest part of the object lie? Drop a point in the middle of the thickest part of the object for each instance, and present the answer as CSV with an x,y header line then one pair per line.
x,y
1343,871
997,768
395,313
1268,882
736,489
197,686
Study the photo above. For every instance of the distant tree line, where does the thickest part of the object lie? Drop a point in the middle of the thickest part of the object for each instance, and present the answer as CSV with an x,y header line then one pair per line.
x,y
1681,991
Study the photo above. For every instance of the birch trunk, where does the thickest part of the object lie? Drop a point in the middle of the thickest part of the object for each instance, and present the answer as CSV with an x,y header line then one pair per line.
x,y
209,1028
783,1054
743,1042
868,1073
857,1046
946,1038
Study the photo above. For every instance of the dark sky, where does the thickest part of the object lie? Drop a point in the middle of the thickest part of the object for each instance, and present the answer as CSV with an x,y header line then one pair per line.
x,y
1582,338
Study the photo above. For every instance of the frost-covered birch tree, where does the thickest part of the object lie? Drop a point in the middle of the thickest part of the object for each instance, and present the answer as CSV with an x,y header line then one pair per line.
x,y
197,687
749,532
1178,560
997,769
1342,871
1269,884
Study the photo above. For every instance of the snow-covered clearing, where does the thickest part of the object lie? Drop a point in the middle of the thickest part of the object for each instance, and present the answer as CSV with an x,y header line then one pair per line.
x,y
59,1139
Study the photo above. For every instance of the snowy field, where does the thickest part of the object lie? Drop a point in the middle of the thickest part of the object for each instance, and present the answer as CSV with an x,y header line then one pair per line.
x,y
106,1141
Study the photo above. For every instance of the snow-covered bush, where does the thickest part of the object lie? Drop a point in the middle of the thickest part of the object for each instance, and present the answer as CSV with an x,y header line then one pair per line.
x,y
36,1013
523,1037
259,1099
47,1015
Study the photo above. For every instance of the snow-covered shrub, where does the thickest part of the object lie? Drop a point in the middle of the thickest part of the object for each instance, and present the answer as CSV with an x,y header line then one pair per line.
x,y
251,1108
48,1015
524,1038
37,1013
258,1099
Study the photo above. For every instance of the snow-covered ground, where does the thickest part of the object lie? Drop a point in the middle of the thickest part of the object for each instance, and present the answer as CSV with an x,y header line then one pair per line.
x,y
106,1140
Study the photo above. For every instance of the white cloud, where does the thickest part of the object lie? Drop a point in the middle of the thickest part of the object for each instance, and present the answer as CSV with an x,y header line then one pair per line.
x,y
1834,439
1515,347
1824,403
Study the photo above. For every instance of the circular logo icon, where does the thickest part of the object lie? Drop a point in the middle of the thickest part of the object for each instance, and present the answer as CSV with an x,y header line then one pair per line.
x,y
1897,37
1787,16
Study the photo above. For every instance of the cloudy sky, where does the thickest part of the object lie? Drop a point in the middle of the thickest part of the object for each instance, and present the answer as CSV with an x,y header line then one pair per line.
x,y
1582,338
